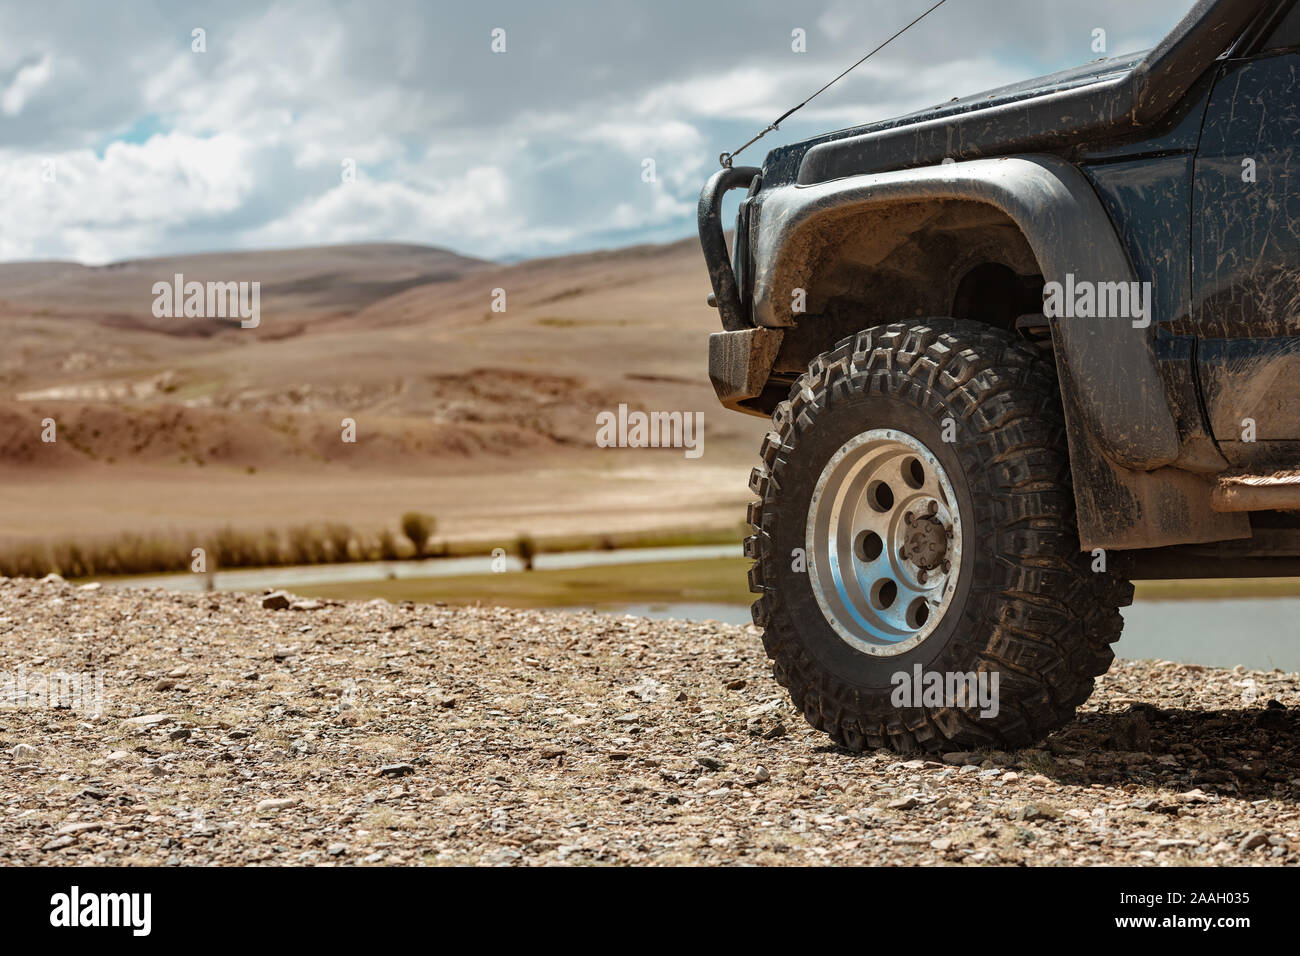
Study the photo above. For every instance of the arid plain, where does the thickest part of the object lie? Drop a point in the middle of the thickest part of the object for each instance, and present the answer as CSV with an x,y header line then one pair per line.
x,y
485,419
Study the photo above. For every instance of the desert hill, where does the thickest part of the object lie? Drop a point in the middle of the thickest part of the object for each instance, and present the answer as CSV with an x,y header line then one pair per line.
x,y
405,341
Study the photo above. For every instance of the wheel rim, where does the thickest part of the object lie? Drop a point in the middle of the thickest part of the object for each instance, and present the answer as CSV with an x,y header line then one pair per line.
x,y
884,542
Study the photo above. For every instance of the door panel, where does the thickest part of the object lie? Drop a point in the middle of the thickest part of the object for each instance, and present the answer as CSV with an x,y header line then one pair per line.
x,y
1246,258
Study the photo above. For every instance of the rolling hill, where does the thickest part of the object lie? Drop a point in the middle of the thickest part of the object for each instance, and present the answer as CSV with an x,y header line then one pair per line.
x,y
482,416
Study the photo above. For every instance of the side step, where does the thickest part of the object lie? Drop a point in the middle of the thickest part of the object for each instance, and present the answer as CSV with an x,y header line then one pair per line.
x,y
1279,491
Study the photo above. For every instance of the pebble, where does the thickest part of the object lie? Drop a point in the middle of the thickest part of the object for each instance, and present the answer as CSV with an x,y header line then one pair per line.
x,y
282,803
150,720
277,601
1253,839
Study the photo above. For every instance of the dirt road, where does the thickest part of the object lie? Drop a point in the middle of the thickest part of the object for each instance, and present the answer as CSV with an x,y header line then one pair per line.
x,y
371,733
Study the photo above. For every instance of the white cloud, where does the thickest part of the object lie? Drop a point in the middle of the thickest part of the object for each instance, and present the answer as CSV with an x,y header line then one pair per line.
x,y
159,149
28,80
97,208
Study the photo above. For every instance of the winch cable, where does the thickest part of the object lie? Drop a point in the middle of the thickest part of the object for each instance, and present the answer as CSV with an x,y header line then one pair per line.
x,y
726,158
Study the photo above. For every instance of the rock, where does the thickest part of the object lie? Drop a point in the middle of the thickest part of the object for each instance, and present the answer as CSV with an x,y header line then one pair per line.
x,y
252,675
337,849
25,752
738,684
304,605
117,756
92,586
960,759
59,843
53,578
180,733
179,672
277,601
1253,839
709,762
1035,811
395,770
283,803
150,720
72,829
284,653
761,774
903,803
1192,796
941,844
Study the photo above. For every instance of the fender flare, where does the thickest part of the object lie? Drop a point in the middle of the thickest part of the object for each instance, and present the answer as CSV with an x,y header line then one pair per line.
x,y
1107,365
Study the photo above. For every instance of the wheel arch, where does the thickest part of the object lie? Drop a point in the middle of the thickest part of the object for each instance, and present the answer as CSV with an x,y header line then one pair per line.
x,y
1035,215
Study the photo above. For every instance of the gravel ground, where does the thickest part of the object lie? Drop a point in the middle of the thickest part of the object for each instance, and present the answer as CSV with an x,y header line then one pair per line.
x,y
373,733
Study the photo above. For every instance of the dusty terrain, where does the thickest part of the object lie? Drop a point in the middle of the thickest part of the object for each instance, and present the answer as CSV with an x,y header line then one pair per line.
x,y
191,423
373,733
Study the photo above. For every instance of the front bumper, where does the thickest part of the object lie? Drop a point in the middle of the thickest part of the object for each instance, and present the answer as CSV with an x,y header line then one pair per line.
x,y
739,365
740,356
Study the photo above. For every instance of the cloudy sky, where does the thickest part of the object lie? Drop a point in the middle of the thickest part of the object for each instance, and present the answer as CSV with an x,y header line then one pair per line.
x,y
118,139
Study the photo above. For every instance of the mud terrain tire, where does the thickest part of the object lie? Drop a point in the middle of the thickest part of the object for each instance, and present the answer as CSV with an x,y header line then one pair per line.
x,y
1027,604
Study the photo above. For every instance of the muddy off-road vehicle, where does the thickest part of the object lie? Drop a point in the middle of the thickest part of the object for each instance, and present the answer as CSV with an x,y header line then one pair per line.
x,y
1018,350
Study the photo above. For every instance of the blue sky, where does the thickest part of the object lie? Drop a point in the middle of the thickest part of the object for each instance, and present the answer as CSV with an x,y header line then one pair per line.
x,y
119,139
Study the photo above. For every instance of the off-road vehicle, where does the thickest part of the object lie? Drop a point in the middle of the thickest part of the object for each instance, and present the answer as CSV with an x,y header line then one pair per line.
x,y
1017,350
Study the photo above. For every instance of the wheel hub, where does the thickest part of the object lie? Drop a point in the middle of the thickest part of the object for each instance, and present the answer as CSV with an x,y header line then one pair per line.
x,y
884,542
925,541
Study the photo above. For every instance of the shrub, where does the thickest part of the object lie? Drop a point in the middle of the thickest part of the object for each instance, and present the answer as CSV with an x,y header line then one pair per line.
x,y
418,528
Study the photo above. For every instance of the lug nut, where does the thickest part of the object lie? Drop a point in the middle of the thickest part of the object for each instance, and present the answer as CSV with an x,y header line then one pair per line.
x,y
947,566
921,575
934,507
